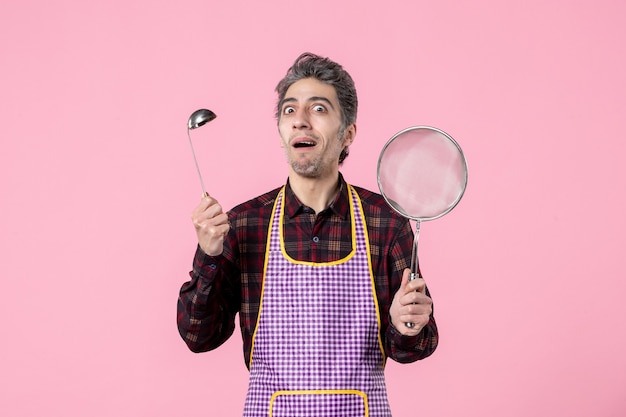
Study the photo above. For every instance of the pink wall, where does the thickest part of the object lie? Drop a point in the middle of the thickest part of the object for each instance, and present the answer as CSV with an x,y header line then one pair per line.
x,y
97,184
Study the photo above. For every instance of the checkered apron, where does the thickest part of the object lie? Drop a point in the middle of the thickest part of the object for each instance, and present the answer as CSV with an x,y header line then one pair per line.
x,y
316,348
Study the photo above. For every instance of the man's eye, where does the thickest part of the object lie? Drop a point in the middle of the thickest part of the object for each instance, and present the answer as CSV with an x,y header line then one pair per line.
x,y
288,110
319,108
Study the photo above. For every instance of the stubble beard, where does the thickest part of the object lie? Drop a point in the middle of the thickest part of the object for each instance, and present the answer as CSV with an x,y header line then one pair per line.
x,y
307,169
313,168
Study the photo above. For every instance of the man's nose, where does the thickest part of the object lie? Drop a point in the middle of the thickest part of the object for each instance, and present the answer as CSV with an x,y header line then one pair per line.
x,y
301,120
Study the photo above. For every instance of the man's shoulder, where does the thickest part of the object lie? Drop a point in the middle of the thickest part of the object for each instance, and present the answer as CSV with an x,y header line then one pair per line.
x,y
364,193
263,201
370,198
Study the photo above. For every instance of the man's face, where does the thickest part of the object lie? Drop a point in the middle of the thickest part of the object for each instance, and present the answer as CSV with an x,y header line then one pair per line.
x,y
309,126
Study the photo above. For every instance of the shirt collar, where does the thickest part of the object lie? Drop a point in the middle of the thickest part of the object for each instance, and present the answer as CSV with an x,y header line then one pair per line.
x,y
340,206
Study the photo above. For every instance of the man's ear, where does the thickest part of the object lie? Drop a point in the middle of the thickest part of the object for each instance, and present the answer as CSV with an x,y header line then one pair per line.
x,y
349,135
280,139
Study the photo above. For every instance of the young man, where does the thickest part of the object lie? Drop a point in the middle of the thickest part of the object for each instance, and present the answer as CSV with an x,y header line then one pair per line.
x,y
316,269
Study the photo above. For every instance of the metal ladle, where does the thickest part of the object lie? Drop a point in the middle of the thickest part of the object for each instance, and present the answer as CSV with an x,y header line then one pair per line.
x,y
198,118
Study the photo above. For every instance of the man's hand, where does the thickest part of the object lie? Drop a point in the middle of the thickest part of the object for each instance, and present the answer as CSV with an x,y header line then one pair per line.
x,y
211,225
411,305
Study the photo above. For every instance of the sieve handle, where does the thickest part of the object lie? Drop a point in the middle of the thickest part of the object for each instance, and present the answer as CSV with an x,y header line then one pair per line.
x,y
414,261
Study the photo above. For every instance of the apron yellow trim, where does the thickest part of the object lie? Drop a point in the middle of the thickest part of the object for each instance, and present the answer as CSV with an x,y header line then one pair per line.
x,y
373,283
265,262
322,392
338,261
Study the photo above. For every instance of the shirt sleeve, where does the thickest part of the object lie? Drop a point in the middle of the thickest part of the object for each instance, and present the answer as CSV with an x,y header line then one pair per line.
x,y
407,349
208,303
399,347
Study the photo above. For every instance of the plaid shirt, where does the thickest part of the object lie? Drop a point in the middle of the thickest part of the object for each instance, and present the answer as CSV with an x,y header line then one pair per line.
x,y
222,286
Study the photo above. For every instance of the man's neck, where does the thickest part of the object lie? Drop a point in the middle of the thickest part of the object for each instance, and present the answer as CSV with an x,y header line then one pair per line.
x,y
316,193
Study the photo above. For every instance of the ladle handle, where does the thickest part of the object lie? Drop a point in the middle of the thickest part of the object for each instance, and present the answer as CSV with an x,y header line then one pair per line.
x,y
195,160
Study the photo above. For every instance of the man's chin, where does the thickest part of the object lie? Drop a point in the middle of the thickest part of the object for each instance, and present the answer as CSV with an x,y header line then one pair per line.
x,y
305,170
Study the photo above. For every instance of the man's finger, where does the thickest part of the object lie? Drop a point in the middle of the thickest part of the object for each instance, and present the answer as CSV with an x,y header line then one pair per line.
x,y
418,284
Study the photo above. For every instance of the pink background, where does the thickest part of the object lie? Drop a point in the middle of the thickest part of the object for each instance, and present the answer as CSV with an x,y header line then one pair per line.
x,y
97,185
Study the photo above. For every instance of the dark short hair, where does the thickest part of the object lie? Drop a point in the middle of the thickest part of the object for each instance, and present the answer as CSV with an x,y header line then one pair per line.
x,y
309,65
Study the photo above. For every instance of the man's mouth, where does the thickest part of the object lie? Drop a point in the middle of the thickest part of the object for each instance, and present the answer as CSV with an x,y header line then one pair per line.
x,y
303,143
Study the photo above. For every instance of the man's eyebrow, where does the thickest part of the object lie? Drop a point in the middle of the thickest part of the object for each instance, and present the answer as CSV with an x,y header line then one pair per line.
x,y
324,99
314,98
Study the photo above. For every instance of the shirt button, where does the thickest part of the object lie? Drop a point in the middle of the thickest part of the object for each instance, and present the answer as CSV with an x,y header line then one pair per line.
x,y
316,239
213,266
